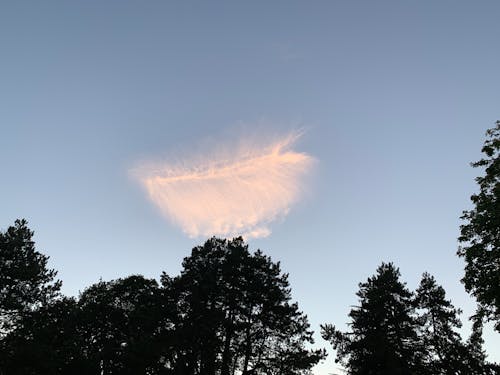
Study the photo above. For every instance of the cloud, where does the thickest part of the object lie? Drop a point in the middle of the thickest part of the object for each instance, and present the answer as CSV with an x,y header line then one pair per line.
x,y
236,189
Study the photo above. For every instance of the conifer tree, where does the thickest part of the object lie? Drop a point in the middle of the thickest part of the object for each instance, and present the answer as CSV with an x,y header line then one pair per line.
x,y
444,351
237,316
383,337
25,280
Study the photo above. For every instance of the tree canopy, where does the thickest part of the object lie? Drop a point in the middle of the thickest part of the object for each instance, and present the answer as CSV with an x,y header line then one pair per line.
x,y
480,234
237,315
396,331
25,280
228,312
384,331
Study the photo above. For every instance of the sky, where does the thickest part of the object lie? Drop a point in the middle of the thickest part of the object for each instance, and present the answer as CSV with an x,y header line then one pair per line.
x,y
392,99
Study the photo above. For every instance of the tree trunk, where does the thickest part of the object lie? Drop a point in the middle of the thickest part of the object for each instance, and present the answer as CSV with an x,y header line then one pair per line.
x,y
248,351
226,354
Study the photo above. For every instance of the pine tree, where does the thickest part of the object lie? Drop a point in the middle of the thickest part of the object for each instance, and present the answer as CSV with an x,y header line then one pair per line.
x,y
25,280
444,352
383,337
236,314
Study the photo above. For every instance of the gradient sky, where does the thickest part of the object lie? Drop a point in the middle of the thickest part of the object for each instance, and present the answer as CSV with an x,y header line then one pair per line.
x,y
395,96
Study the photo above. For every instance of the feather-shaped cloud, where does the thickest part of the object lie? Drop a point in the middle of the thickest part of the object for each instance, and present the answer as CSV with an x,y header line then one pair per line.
x,y
237,191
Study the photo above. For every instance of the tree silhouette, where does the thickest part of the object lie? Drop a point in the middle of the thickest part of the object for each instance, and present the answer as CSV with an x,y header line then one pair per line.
x,y
444,352
480,235
395,331
237,316
25,280
476,363
228,312
121,324
47,343
383,337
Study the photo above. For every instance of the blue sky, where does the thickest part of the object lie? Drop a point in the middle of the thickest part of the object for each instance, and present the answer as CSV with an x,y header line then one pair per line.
x,y
396,97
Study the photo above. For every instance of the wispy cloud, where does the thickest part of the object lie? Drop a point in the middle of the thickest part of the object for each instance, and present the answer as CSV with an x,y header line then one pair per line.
x,y
230,191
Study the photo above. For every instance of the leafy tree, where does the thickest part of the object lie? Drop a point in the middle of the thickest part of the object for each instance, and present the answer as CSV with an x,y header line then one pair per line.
x,y
480,235
25,280
383,337
117,327
121,325
47,343
236,314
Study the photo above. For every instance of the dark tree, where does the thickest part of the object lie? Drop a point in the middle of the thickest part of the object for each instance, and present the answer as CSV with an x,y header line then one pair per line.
x,y
383,337
236,314
480,235
123,325
25,280
395,331
47,343
444,352
229,312
475,358
118,327
443,349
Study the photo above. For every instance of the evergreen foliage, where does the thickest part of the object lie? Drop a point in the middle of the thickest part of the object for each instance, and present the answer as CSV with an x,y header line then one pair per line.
x,y
384,329
25,281
236,314
228,312
395,331
444,352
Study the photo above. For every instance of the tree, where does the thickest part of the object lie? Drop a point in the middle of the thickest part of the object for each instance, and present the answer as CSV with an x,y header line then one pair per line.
x,y
480,235
117,327
228,312
383,337
122,324
25,280
444,352
475,359
47,343
236,315
395,331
